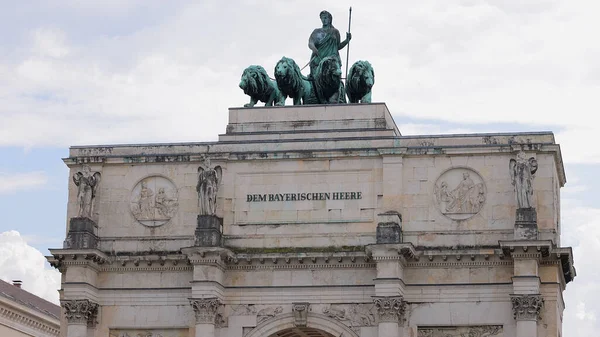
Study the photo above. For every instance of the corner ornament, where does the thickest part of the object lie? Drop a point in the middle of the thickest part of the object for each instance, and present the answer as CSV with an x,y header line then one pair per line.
x,y
527,307
390,308
206,309
80,311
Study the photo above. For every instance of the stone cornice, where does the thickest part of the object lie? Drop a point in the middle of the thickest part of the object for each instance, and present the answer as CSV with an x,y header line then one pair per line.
x,y
320,260
63,258
29,320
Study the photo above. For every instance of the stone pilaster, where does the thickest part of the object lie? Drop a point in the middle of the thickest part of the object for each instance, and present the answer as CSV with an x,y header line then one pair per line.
x,y
527,307
205,310
390,312
390,308
80,315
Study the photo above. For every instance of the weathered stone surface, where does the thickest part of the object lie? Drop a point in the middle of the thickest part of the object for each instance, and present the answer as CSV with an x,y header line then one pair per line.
x,y
209,231
82,234
274,234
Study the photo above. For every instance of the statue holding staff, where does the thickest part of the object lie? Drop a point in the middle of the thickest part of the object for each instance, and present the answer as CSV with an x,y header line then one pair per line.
x,y
324,42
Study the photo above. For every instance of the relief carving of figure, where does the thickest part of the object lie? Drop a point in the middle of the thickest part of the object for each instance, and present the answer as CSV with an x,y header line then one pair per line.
x,y
464,200
522,172
165,204
325,42
87,184
146,202
207,188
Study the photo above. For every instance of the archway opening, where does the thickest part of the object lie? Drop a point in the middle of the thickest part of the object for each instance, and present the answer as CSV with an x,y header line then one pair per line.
x,y
301,332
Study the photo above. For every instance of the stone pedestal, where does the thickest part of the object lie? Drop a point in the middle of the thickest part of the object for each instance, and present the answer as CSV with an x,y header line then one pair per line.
x,y
209,231
526,224
388,228
82,234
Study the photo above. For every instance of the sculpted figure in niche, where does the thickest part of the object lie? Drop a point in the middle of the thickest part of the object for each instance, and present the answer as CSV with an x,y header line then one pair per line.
x,y
87,184
207,188
521,174
325,42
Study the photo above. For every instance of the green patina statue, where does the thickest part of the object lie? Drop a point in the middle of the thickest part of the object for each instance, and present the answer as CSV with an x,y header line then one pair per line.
x,y
324,83
359,82
257,84
325,42
293,84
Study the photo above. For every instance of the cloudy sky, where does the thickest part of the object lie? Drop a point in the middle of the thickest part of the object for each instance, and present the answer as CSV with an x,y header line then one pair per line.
x,y
115,71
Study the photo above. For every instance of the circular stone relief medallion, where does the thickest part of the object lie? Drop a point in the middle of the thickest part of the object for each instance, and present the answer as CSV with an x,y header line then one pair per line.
x,y
154,201
459,193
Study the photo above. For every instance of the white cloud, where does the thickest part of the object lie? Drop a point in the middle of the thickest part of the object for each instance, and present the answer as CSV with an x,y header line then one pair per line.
x,y
20,261
173,78
581,229
11,182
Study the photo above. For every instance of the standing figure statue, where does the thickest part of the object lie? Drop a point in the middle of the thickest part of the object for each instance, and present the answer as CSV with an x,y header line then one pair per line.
x,y
521,174
87,184
325,42
207,188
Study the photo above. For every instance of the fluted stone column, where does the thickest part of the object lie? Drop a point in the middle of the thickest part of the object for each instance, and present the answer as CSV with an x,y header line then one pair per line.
x,y
526,310
390,311
205,310
80,315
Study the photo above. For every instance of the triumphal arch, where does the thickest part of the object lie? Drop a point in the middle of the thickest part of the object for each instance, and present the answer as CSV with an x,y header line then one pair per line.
x,y
316,220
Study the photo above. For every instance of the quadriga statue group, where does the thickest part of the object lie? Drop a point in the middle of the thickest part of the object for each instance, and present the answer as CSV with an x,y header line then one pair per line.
x,y
323,85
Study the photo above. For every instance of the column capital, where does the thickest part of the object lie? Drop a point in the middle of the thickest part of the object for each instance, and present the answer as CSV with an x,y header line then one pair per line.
x,y
206,309
80,311
390,308
527,307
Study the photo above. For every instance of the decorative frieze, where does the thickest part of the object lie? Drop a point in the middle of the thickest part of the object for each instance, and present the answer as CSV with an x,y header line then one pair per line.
x,y
206,309
353,315
390,308
267,313
80,311
527,307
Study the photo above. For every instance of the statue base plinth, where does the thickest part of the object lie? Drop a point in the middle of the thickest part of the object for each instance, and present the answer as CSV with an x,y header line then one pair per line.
x,y
82,234
209,231
526,224
388,228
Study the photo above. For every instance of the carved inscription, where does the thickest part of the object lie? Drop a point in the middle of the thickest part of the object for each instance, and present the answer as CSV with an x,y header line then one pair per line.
x,y
459,193
303,196
472,331
154,201
149,333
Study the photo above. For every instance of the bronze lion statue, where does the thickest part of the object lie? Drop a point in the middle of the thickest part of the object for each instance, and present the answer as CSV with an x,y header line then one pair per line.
x,y
359,82
257,84
327,84
292,83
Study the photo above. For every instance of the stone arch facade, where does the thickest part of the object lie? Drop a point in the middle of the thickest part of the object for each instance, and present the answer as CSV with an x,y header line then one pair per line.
x,y
315,321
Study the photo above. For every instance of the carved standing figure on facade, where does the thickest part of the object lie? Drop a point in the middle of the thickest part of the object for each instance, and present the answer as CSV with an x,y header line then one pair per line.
x,y
87,185
257,84
325,42
522,172
207,188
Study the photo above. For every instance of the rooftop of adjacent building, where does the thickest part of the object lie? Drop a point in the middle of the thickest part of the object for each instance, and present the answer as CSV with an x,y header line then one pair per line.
x,y
15,293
